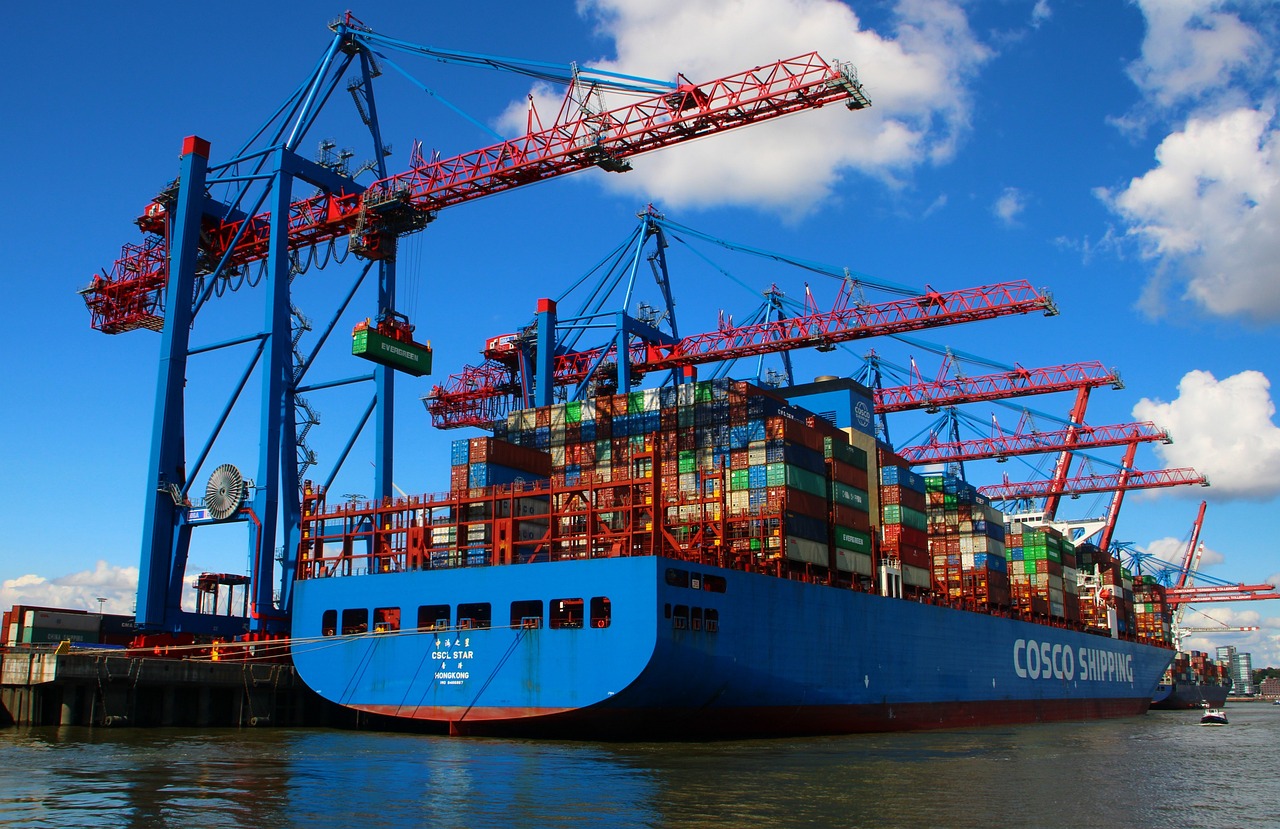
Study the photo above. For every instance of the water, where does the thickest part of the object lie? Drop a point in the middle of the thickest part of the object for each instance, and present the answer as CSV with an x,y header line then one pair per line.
x,y
1160,770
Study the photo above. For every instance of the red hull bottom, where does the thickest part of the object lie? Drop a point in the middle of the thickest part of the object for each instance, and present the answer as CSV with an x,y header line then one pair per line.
x,y
620,723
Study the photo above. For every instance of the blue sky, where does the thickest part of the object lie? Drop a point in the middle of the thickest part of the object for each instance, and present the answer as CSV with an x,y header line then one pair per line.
x,y
1123,156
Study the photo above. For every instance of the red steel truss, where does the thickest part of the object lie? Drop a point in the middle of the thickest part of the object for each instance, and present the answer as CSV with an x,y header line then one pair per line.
x,y
1221,593
1087,484
130,295
470,396
1033,443
999,386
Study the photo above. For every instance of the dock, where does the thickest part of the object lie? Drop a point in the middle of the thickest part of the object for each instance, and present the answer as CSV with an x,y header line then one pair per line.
x,y
41,687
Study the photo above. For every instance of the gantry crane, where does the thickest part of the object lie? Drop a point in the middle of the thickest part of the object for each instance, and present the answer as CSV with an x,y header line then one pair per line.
x,y
1117,484
1184,591
218,224
527,370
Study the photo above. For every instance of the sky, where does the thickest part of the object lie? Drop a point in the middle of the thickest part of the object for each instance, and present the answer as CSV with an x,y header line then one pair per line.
x,y
1123,156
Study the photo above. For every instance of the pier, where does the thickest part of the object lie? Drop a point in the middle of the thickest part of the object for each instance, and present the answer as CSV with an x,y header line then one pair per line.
x,y
40,687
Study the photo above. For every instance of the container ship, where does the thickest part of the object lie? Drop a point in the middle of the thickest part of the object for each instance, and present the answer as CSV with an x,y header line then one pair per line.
x,y
711,559
1193,680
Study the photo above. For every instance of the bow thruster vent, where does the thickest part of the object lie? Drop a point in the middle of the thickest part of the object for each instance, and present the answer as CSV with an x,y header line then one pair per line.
x,y
226,492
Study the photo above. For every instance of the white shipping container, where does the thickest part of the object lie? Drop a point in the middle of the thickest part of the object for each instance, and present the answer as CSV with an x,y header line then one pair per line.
x,y
803,549
850,562
912,576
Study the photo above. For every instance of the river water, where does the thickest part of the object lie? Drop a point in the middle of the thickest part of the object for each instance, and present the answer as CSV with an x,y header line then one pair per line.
x,y
1160,770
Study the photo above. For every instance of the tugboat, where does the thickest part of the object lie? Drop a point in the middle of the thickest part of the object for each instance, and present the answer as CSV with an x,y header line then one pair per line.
x,y
1213,716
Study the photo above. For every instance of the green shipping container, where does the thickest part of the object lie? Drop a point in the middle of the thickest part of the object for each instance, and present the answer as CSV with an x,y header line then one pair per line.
x,y
410,358
784,474
573,411
850,497
843,452
906,516
851,539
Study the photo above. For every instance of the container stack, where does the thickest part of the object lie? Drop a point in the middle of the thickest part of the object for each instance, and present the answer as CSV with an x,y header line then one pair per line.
x,y
1043,572
903,520
1153,621
966,542
783,483
481,462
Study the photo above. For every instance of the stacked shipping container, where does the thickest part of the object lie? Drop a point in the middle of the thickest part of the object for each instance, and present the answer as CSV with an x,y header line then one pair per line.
x,y
1152,616
966,542
726,460
903,520
1043,571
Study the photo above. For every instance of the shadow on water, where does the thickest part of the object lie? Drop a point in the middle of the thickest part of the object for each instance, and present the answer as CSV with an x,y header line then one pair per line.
x,y
1159,770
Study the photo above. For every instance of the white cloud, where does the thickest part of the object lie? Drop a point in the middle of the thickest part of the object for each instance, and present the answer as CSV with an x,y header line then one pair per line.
x,y
1224,429
1191,48
1009,205
1040,13
1262,644
915,79
1211,207
76,591
1171,551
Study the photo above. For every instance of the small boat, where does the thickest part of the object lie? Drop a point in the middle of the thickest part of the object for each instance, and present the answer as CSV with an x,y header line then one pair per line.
x,y
1213,716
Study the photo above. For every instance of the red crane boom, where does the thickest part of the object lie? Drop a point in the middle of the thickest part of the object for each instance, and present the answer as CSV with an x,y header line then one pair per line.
x,y
1221,593
1087,484
1033,443
130,296
473,396
999,386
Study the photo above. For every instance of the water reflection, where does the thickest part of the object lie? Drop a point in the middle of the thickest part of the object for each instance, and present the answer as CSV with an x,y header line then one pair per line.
x,y
1156,770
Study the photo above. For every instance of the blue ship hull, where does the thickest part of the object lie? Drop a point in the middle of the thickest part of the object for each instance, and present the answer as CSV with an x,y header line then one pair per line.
x,y
780,658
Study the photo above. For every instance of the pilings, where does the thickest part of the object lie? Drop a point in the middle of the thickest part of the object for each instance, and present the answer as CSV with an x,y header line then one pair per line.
x,y
46,688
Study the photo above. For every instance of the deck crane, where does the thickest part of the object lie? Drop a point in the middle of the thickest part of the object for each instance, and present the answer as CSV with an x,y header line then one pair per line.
x,y
219,223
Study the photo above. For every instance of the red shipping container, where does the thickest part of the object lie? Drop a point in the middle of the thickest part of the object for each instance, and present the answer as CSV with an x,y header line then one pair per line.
x,y
914,557
799,501
847,474
792,431
849,517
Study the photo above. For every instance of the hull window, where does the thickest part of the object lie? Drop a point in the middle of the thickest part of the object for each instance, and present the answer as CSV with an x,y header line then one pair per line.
x,y
475,615
601,612
680,617
329,622
712,621
355,620
677,577
566,613
386,619
527,613
433,617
